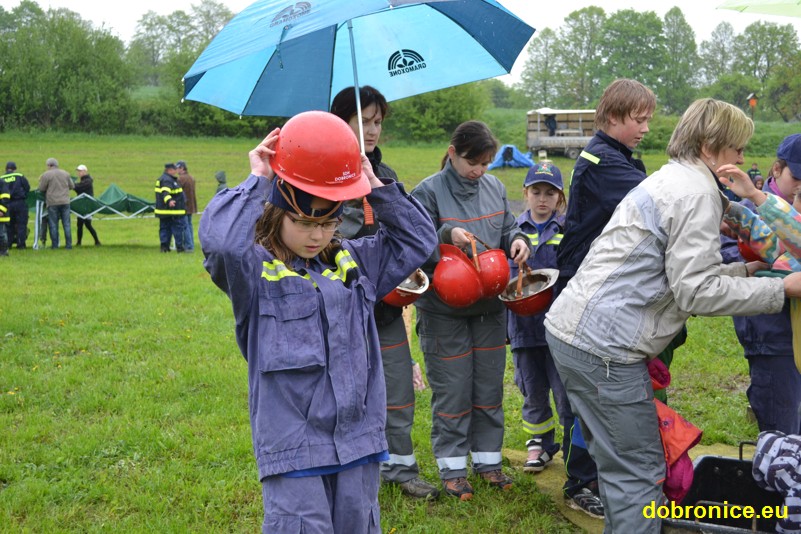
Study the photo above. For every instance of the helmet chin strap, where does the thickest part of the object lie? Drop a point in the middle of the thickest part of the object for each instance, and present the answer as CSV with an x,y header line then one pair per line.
x,y
293,202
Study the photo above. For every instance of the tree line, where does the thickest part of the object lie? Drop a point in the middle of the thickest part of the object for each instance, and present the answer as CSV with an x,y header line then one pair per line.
x,y
60,72
570,67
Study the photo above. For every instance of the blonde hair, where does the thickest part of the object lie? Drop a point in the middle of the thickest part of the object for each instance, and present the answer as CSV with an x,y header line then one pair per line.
x,y
268,235
711,123
623,99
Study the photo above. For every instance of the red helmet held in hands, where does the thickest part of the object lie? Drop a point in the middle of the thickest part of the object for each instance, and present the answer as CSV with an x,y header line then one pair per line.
x,y
319,153
456,279
409,290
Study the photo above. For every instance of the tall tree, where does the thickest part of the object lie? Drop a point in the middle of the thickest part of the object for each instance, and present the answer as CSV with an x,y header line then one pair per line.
x,y
539,79
762,46
677,91
579,57
783,89
634,47
149,46
717,54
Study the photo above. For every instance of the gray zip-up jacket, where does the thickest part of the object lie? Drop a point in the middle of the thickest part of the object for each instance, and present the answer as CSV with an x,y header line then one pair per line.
x,y
480,207
656,263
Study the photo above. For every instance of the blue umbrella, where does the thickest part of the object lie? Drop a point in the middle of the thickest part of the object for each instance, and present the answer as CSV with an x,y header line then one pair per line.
x,y
279,58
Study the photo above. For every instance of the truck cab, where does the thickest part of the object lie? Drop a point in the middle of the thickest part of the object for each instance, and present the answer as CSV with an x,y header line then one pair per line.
x,y
561,131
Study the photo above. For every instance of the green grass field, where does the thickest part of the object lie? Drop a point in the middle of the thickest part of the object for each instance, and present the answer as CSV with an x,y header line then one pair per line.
x,y
123,395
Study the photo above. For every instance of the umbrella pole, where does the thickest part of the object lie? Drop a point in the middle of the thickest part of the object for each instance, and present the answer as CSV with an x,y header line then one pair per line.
x,y
356,86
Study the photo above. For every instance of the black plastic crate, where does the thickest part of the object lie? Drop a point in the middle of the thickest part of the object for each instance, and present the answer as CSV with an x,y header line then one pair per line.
x,y
718,480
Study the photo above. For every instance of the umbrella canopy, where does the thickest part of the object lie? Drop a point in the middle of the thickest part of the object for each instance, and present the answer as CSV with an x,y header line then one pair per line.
x,y
274,60
789,8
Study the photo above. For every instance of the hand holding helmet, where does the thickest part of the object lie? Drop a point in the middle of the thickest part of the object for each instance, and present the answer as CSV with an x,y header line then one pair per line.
x,y
520,251
259,156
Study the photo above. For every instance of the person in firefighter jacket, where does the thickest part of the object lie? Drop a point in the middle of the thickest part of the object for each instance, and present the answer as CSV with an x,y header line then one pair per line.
x,y
170,209
5,217
304,301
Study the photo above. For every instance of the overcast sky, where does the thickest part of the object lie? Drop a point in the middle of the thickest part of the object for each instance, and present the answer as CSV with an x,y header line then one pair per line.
x,y
702,15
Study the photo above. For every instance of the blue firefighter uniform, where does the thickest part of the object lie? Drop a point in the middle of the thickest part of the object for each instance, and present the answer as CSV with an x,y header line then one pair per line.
x,y
171,218
5,216
316,388
18,208
535,372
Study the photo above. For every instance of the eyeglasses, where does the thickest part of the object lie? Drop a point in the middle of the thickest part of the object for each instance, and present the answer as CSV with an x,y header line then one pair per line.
x,y
308,226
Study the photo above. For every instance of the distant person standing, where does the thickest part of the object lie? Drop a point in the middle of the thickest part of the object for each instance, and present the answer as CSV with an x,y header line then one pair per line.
x,y
85,185
56,183
222,184
187,182
753,172
5,200
18,208
170,209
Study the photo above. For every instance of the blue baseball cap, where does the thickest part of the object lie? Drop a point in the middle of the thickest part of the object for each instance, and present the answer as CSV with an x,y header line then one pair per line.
x,y
790,151
544,172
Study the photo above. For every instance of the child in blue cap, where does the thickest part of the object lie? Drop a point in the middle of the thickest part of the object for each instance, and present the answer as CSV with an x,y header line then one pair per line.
x,y
535,373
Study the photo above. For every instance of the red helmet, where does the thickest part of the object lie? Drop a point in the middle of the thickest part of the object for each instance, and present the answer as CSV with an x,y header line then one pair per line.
x,y
537,292
319,153
493,272
409,291
456,279
747,252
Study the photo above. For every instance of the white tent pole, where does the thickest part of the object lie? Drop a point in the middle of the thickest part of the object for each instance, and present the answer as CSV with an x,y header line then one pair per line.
x,y
356,85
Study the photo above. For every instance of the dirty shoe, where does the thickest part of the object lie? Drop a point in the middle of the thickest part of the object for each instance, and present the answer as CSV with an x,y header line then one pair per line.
x,y
419,489
458,487
498,479
588,502
537,457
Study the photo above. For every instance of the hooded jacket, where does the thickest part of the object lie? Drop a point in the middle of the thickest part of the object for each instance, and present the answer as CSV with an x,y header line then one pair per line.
x,y
315,377
656,263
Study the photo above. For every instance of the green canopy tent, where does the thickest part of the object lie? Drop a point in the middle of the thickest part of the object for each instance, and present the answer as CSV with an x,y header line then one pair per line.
x,y
113,202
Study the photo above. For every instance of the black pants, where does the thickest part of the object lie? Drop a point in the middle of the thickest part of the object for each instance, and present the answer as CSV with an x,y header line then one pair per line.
x,y
18,229
88,224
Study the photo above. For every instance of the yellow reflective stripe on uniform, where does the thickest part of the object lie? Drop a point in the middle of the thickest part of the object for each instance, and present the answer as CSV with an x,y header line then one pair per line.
x,y
276,270
555,240
345,263
535,239
3,209
589,157
5,195
542,428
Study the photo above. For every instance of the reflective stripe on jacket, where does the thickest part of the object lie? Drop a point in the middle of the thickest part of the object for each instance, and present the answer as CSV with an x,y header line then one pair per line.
x,y
167,189
316,386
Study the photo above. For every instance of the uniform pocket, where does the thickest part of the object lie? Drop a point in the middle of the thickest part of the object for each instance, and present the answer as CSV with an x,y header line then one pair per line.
x,y
630,413
290,332
283,524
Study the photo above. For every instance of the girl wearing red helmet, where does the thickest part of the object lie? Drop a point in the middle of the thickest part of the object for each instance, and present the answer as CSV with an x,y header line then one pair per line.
x,y
465,347
303,301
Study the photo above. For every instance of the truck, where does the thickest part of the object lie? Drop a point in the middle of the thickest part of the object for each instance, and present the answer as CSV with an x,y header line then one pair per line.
x,y
561,131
